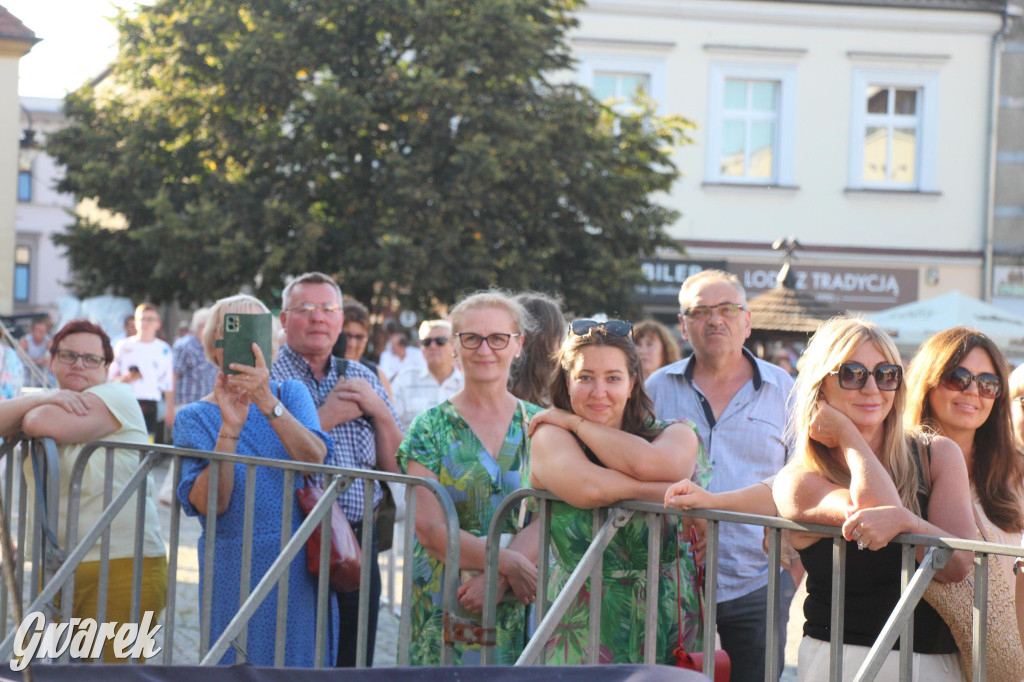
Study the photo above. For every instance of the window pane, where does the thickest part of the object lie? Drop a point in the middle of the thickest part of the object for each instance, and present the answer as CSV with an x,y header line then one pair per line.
x,y
875,147
763,95
762,149
906,102
733,138
904,155
24,186
604,86
735,94
878,100
632,83
21,282
22,255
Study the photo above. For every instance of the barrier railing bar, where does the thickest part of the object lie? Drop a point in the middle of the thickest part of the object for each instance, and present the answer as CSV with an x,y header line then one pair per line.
x,y
323,607
531,654
838,621
245,574
408,540
209,551
771,664
135,608
934,559
281,628
909,567
543,559
711,596
654,528
104,582
366,543
979,626
277,573
596,596
172,563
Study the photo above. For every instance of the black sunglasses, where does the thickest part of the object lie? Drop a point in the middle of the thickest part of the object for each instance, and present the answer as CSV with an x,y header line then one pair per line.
x,y
613,327
439,340
853,376
960,379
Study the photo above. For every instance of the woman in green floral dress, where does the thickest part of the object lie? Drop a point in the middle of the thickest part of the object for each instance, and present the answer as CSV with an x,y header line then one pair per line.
x,y
475,445
600,444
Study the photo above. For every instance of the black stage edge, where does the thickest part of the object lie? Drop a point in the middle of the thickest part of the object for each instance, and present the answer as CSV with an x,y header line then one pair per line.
x,y
245,673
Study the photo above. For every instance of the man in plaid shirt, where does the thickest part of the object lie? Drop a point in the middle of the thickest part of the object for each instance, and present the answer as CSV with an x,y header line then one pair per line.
x,y
354,410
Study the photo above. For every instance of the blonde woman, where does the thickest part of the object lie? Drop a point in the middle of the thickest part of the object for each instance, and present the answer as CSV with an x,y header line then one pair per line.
x,y
854,466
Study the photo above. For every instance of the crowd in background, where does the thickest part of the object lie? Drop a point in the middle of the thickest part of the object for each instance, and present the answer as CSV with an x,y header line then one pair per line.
x,y
504,392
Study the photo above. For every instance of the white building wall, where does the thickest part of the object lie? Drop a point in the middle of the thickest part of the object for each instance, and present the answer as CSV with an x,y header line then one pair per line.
x,y
940,224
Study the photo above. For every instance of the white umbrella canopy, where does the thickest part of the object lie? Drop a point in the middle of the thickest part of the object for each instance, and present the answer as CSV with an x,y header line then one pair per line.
x,y
913,323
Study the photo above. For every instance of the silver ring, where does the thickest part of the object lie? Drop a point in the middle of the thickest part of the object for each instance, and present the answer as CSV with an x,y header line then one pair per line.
x,y
857,535
861,544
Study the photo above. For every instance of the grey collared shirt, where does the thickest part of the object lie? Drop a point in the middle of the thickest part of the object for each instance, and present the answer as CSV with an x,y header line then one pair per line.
x,y
746,444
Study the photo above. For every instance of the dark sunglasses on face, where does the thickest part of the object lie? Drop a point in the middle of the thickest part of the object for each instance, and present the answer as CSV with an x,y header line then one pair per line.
x,y
70,357
613,327
439,340
853,376
960,379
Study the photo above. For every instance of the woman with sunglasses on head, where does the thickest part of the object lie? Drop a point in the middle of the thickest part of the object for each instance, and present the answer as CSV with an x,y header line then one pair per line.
x,y
599,444
475,445
854,466
86,407
958,389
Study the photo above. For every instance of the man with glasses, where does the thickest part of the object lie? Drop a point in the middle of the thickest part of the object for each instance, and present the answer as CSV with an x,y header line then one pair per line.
x,y
146,363
417,388
354,410
739,404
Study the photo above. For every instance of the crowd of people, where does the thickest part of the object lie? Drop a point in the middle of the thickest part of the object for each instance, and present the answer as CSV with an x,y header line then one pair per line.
x,y
504,393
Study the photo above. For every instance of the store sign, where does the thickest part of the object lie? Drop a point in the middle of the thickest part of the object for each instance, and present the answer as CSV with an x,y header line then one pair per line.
x,y
1008,280
841,287
664,277
865,289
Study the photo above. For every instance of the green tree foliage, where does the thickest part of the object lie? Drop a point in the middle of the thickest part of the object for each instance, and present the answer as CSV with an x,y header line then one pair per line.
x,y
416,149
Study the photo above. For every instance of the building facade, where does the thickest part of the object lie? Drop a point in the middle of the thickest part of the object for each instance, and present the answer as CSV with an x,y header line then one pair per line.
x,y
15,42
861,128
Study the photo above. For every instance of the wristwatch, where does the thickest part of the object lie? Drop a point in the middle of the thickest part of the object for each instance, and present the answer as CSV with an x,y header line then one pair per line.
x,y
276,412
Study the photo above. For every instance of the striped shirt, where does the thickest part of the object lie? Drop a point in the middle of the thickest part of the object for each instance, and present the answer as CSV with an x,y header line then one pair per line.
x,y
354,441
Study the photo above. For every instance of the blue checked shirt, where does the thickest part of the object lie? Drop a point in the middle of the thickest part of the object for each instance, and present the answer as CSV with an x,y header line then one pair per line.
x,y
354,441
195,374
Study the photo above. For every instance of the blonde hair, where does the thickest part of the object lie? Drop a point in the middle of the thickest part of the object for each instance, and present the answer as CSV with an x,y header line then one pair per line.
x,y
492,298
241,303
834,343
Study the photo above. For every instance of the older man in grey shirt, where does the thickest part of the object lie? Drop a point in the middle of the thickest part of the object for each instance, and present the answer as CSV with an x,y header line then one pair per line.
x,y
739,404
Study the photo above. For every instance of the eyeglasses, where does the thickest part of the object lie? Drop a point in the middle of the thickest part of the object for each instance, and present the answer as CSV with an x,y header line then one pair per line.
x,y
310,308
853,376
700,313
960,379
613,327
471,341
358,338
441,340
70,357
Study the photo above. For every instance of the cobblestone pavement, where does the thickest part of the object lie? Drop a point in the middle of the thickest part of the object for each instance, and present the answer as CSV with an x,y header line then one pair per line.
x,y
186,623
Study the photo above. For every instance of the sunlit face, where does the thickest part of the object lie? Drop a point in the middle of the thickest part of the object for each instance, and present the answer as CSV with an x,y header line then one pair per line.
x,y
484,364
651,351
312,334
78,377
357,336
866,407
718,335
963,410
437,355
1017,414
599,385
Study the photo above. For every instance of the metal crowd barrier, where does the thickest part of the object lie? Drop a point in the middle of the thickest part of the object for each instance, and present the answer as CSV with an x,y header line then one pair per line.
x,y
608,520
336,480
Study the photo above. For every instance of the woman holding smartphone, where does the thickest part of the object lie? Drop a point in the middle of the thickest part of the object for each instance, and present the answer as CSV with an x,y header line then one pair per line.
x,y
250,415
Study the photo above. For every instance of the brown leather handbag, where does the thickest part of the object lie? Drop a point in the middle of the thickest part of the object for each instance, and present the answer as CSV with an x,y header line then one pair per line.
x,y
346,556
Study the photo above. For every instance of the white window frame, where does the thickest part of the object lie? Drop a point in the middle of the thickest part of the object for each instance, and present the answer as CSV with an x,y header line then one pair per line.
x,y
652,67
785,75
928,125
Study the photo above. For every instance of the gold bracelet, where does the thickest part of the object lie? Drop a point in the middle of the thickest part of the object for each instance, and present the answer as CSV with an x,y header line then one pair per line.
x,y
221,434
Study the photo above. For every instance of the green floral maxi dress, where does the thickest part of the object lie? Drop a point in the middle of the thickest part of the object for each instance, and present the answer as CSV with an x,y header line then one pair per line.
x,y
624,601
441,440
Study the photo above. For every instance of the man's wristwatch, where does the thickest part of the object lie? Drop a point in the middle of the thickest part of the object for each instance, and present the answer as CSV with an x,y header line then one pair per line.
x,y
276,412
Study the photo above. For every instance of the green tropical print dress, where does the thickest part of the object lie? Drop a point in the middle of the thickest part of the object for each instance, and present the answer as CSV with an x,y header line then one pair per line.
x,y
441,440
624,601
